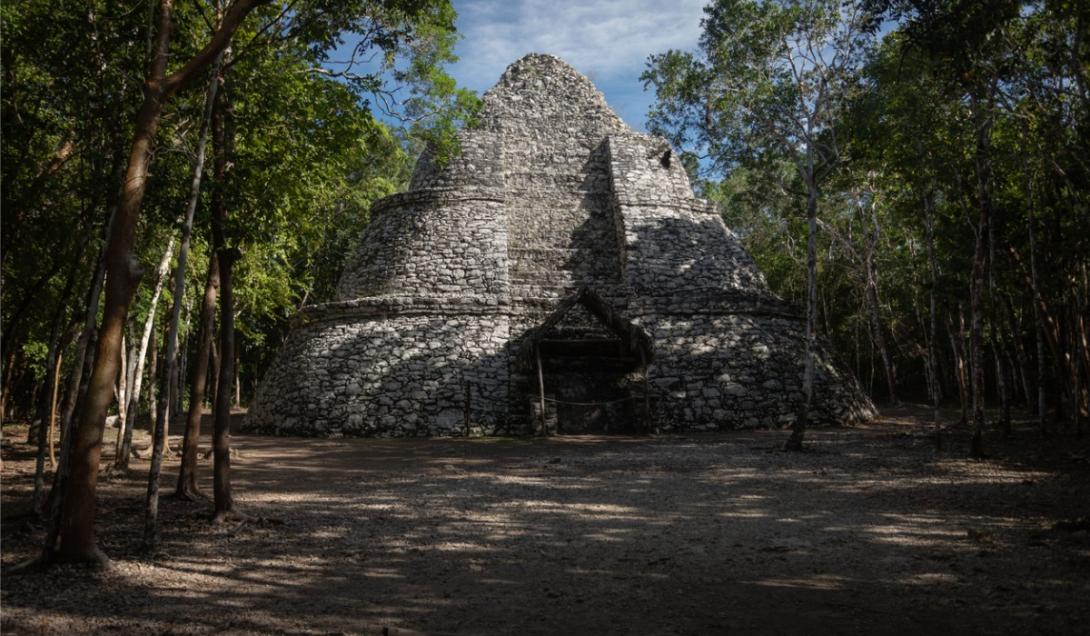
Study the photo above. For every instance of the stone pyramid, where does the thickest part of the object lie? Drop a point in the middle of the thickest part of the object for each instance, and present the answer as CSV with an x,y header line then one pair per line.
x,y
557,275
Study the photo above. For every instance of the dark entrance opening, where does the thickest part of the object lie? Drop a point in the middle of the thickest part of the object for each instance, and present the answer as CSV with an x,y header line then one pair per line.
x,y
588,370
590,385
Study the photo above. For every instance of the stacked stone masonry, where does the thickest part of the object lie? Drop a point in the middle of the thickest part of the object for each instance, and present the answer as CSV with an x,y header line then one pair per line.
x,y
559,258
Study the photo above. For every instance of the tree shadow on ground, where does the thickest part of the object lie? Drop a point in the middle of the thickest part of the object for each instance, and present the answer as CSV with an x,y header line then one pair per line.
x,y
870,531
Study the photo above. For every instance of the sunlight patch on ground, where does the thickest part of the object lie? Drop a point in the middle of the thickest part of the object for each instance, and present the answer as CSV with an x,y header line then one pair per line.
x,y
819,582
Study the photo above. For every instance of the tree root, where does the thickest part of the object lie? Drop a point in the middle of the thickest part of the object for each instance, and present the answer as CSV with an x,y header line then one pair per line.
x,y
190,494
96,560
224,517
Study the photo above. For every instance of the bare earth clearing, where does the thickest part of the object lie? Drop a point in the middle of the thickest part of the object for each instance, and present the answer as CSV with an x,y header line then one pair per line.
x,y
869,531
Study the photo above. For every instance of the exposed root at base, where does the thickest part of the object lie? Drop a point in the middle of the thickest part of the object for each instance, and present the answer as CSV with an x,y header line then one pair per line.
x,y
190,494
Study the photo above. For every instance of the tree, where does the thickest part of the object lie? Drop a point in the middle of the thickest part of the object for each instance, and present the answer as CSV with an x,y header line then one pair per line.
x,y
769,83
77,533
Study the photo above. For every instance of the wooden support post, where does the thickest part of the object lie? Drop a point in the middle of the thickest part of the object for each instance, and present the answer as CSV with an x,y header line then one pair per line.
x,y
466,405
541,388
646,394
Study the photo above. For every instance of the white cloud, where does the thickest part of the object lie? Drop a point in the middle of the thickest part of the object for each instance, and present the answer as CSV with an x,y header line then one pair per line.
x,y
608,40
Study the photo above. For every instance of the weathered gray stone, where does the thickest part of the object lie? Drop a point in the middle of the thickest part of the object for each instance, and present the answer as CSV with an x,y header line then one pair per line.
x,y
555,224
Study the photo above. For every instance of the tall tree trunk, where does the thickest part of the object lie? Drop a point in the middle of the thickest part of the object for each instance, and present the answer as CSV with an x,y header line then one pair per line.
x,y
997,344
982,123
77,528
873,303
932,325
221,442
170,377
77,381
1038,329
798,428
132,408
187,474
223,136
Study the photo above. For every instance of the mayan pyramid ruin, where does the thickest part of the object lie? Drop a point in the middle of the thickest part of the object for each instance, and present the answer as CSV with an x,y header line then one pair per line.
x,y
557,275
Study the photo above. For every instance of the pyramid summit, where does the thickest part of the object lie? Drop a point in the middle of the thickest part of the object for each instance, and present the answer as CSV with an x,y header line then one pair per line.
x,y
556,275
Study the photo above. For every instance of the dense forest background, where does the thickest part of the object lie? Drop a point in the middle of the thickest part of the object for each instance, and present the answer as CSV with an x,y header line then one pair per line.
x,y
915,172
932,155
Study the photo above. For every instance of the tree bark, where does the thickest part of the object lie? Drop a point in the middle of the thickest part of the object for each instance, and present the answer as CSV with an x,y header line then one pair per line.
x,y
957,345
187,473
53,410
132,408
225,257
798,428
170,377
77,532
1038,329
976,288
932,326
874,304
1001,385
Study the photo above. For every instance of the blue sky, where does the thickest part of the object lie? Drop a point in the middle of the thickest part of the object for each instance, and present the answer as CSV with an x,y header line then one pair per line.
x,y
607,40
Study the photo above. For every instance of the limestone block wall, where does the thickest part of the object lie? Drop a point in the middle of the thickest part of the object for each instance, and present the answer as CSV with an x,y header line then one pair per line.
x,y
432,244
673,242
396,375
741,370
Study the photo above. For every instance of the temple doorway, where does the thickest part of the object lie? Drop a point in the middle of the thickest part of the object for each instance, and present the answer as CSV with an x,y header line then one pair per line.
x,y
588,370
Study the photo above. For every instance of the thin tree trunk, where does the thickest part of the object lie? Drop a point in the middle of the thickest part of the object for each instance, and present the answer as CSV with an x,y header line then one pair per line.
x,y
153,381
798,428
124,442
1021,360
223,134
957,346
932,327
170,377
238,381
874,305
77,529
1000,367
1038,330
53,361
9,367
187,474
53,411
58,341
976,287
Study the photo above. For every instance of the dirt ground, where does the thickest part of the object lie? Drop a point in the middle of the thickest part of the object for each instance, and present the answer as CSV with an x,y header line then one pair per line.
x,y
870,531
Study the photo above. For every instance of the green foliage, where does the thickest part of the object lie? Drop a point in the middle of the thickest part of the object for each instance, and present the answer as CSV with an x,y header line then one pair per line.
x,y
313,148
904,127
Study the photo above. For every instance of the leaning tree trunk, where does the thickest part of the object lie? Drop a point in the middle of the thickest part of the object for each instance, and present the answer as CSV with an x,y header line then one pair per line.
x,y
187,473
170,377
124,437
798,429
77,528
